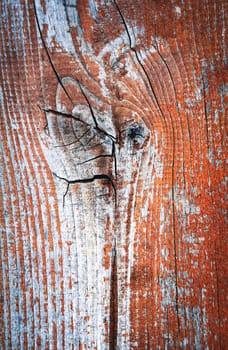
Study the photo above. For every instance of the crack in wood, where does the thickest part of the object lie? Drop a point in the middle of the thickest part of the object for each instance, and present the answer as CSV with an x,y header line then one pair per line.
x,y
87,180
133,49
100,156
113,322
65,115
102,133
173,194
49,56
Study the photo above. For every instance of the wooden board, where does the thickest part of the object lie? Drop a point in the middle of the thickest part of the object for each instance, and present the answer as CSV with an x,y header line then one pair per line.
x,y
113,212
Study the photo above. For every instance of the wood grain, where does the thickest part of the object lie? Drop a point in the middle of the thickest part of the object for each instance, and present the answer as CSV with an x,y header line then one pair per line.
x,y
113,211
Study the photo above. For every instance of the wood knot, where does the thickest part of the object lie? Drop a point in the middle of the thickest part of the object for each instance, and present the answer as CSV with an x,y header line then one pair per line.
x,y
135,136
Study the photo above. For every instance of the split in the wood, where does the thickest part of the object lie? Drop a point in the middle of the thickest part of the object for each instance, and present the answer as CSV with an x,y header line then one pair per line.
x,y
102,133
65,115
49,56
133,49
100,130
111,155
113,321
87,180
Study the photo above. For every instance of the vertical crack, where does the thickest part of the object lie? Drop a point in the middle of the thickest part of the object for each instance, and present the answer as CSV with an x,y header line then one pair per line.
x,y
205,111
113,320
173,192
89,105
138,59
175,260
49,56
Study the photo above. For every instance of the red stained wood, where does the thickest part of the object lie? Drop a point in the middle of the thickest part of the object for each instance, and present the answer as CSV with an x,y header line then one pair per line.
x,y
113,211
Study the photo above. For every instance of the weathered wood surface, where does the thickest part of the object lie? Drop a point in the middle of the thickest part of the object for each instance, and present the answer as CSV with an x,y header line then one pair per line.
x,y
127,101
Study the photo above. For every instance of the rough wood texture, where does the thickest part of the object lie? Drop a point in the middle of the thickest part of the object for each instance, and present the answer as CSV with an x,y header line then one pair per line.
x,y
113,174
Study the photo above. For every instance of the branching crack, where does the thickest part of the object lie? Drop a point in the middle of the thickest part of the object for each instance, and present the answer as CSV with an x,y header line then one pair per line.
x,y
87,180
100,130
111,155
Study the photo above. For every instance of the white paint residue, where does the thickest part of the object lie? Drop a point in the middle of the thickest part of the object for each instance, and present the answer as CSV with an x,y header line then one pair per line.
x,y
93,9
162,219
102,77
115,48
56,34
121,45
159,169
143,54
210,156
178,11
198,93
1,94
184,205
184,342
136,34
165,253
